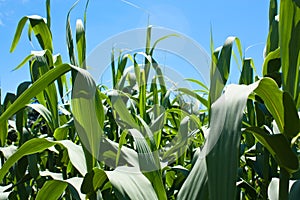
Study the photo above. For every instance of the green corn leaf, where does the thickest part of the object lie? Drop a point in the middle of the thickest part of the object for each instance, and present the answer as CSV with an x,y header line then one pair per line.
x,y
247,72
160,78
34,90
62,81
195,95
53,187
216,173
40,64
148,161
281,107
121,110
181,139
76,155
85,11
48,14
159,40
272,65
37,145
20,115
74,184
32,146
99,108
221,153
3,132
148,40
8,101
197,82
24,61
113,67
154,90
289,18
195,186
221,67
81,43
69,37
61,132
142,95
86,121
122,141
121,66
45,113
40,29
131,184
273,36
18,33
127,156
222,160
291,117
93,181
278,146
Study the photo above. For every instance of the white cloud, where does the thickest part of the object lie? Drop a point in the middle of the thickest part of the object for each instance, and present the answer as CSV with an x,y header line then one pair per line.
x,y
1,23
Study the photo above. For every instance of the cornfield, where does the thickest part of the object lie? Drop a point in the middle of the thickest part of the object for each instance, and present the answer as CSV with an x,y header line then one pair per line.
x,y
65,136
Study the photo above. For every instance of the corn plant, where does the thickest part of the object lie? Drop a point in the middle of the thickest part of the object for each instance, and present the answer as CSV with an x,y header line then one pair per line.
x,y
61,141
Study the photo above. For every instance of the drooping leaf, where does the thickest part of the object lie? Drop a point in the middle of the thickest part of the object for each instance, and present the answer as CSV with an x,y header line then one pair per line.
x,y
76,155
37,145
280,105
195,95
279,147
40,29
35,89
32,146
271,62
18,33
44,112
24,61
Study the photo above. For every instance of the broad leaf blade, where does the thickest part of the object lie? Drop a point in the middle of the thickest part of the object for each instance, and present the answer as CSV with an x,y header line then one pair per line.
x,y
131,184
53,187
278,146
32,146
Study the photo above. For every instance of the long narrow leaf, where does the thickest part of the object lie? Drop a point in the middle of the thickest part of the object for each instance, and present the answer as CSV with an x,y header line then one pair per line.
x,y
35,89
289,18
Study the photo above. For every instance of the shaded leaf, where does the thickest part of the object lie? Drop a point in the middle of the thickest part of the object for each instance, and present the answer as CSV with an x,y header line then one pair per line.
x,y
278,146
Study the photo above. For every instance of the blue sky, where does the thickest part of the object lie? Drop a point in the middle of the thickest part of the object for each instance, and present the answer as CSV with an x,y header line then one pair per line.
x,y
246,19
